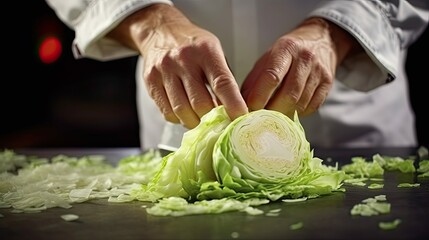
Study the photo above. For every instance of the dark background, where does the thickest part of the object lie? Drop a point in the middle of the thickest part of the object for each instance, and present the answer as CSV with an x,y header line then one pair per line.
x,y
86,103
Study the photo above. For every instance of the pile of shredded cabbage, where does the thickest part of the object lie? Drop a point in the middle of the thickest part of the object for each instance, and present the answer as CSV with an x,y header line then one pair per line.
x,y
33,184
209,174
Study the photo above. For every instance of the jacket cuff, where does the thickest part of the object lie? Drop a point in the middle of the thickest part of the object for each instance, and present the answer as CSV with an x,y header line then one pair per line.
x,y
99,18
370,27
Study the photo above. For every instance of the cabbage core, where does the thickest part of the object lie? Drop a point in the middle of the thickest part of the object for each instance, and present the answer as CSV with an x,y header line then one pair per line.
x,y
269,147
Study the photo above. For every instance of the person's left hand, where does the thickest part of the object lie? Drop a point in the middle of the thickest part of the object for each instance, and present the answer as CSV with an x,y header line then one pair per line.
x,y
297,72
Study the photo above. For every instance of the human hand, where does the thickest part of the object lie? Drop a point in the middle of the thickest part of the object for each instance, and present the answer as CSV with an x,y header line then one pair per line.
x,y
185,70
297,72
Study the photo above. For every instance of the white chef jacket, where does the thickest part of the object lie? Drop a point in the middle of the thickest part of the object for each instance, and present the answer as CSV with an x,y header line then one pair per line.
x,y
368,105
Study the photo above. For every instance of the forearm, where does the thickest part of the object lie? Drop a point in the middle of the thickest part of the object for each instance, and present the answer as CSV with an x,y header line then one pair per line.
x,y
92,20
343,43
382,29
136,28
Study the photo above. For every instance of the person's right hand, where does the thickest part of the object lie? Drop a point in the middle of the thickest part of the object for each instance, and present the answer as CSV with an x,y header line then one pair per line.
x,y
183,65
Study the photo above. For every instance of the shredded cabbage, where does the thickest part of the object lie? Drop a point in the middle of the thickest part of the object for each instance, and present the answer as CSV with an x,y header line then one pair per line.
x,y
389,225
372,206
221,166
32,184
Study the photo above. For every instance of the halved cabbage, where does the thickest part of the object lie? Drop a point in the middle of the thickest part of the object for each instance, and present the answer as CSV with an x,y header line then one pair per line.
x,y
263,146
263,154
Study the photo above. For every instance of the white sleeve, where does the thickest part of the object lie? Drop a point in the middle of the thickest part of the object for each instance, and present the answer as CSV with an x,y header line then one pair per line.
x,y
384,29
92,20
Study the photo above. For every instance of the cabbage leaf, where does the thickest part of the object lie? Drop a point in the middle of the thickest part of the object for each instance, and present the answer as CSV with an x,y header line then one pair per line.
x,y
263,154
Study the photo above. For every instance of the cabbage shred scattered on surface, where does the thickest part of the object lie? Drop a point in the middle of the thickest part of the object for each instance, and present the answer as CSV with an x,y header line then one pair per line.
x,y
221,166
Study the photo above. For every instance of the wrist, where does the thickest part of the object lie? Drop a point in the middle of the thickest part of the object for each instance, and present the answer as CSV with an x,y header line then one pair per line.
x,y
343,43
136,28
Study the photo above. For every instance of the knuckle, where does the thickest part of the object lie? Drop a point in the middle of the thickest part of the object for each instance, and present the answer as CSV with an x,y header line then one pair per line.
x,y
150,76
179,109
273,78
289,44
307,56
166,62
221,82
198,103
208,43
184,53
293,98
155,94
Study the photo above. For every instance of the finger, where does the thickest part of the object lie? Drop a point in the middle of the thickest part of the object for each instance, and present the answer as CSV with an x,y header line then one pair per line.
x,y
223,84
307,93
270,77
315,91
318,98
251,78
288,95
178,100
199,97
155,88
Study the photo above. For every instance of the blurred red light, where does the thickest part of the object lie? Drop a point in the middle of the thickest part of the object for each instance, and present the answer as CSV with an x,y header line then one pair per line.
x,y
50,50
